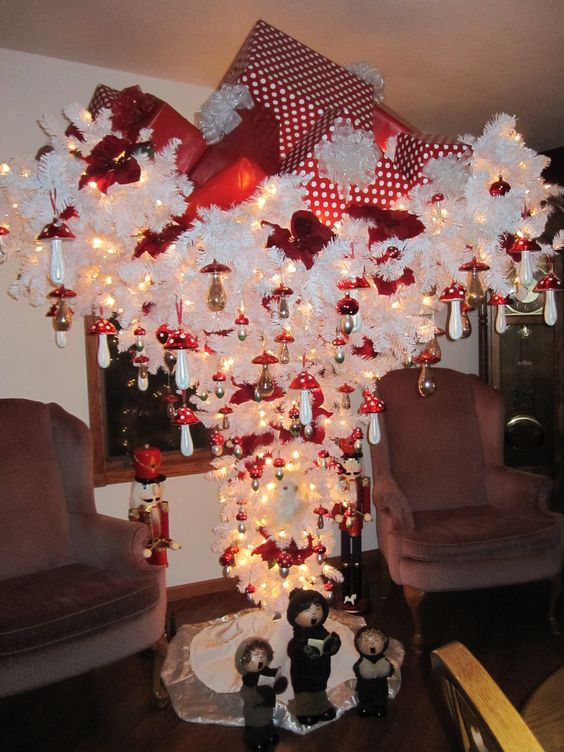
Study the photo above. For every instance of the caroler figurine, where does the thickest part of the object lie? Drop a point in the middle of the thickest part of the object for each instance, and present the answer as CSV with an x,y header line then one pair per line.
x,y
146,504
372,670
260,686
350,514
310,651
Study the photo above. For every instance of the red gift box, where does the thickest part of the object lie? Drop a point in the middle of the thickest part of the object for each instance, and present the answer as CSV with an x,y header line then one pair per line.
x,y
297,83
132,109
256,138
413,151
322,195
386,124
231,186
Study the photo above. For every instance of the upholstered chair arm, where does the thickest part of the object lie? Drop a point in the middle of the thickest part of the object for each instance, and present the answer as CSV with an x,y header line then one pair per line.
x,y
515,490
389,499
109,543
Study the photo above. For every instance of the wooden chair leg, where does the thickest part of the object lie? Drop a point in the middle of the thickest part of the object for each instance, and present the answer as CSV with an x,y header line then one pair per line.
x,y
159,690
555,591
414,597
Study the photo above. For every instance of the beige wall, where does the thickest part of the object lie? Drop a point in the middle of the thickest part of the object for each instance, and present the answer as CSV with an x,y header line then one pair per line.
x,y
31,86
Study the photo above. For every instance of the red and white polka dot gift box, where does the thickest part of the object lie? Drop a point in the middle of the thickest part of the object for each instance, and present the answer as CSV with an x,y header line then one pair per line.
x,y
299,84
325,199
414,150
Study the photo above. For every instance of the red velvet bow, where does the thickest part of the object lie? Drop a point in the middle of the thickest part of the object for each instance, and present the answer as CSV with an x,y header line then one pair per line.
x,y
110,162
155,243
132,110
306,237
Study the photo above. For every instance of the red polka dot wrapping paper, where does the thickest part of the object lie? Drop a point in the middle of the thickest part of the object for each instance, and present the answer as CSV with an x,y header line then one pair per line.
x,y
103,97
323,196
299,84
414,150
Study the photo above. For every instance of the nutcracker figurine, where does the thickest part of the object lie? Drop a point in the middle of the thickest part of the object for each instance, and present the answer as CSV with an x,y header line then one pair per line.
x,y
350,514
146,504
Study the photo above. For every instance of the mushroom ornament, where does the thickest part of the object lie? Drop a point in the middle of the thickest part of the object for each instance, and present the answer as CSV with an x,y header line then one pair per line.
x,y
454,296
181,341
57,232
338,343
372,405
304,381
346,390
549,284
476,292
216,298
139,333
265,384
184,417
426,385
62,313
348,308
283,292
500,301
241,322
525,247
140,361
284,339
102,327
353,285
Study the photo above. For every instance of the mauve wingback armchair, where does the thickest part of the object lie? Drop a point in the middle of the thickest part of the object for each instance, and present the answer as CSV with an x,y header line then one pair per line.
x,y
75,590
449,514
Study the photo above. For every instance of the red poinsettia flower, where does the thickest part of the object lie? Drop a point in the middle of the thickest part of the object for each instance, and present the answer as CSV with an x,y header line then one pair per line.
x,y
306,237
387,223
110,162
389,287
365,351
132,110
155,243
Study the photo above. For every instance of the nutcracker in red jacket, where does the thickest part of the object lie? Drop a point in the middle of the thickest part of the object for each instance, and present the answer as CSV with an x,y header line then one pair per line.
x,y
351,513
146,504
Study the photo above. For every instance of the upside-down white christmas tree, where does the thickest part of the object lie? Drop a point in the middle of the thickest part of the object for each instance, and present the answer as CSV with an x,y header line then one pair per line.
x,y
273,319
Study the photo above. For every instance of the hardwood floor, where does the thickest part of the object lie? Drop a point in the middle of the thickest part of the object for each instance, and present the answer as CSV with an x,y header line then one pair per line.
x,y
110,710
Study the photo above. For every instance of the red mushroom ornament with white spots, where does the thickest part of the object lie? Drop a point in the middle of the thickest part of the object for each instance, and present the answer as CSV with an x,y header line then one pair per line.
x,y
304,381
181,341
549,284
184,417
525,246
499,301
454,296
102,327
372,405
57,232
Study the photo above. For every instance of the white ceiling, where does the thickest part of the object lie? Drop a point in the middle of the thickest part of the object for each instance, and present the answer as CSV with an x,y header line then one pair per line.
x,y
449,64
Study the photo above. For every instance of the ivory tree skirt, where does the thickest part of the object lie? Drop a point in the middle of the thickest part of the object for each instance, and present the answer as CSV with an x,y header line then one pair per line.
x,y
203,683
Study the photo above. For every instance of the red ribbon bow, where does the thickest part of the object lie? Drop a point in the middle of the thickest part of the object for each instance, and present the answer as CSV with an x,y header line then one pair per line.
x,y
132,110
110,162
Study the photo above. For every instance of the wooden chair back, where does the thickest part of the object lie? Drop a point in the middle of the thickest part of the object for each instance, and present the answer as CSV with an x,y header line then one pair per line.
x,y
485,719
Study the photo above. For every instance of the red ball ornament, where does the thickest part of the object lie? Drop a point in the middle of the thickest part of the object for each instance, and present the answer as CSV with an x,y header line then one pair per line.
x,y
499,188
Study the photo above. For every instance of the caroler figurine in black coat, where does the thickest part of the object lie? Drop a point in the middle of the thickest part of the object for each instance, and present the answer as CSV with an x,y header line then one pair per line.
x,y
310,651
260,686
372,670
